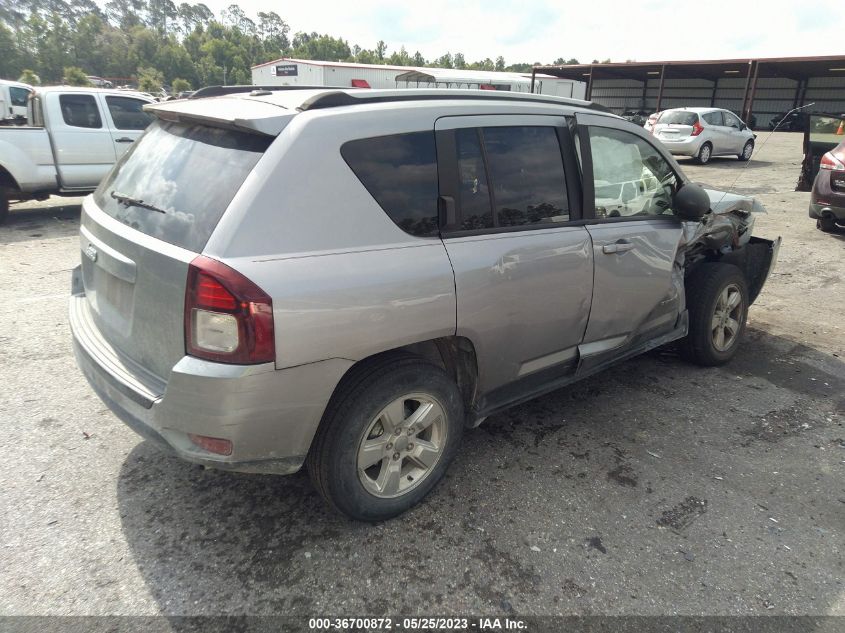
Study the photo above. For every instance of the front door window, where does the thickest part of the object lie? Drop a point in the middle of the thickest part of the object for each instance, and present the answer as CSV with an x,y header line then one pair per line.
x,y
630,177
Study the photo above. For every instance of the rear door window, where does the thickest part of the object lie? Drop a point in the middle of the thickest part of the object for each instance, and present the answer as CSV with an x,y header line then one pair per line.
x,y
473,189
526,169
713,118
186,175
127,113
80,111
400,172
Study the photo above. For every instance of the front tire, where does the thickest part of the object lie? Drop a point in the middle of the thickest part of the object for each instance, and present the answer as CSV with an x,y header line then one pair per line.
x,y
387,437
717,304
747,151
705,153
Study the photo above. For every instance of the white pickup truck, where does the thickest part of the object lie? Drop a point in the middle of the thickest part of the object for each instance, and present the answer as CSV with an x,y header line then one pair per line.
x,y
74,137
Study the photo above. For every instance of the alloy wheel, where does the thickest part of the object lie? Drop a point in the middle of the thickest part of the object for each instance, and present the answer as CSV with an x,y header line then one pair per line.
x,y
727,317
747,151
402,445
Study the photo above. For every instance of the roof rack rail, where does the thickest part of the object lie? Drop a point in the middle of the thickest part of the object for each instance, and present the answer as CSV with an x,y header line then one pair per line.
x,y
219,91
341,97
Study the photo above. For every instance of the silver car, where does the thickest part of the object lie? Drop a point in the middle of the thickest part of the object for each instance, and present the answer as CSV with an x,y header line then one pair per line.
x,y
703,133
347,279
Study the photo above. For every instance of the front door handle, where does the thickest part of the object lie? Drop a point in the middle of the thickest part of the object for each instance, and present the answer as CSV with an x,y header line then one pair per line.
x,y
619,247
123,139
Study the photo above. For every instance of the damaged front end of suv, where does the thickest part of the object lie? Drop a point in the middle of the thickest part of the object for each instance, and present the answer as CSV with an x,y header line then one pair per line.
x,y
723,234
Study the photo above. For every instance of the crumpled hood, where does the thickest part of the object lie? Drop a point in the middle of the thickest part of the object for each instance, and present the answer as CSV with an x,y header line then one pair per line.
x,y
725,202
728,227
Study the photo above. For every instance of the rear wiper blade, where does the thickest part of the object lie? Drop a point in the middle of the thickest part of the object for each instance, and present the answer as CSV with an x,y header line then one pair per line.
x,y
129,201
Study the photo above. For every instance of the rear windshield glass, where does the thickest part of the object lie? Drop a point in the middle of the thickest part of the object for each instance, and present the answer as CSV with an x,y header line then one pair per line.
x,y
178,179
679,118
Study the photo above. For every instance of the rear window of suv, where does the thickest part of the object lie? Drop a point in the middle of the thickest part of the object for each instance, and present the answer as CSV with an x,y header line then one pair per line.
x,y
187,173
679,118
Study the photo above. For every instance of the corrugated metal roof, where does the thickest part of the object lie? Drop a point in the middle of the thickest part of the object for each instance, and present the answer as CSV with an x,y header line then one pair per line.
x,y
791,67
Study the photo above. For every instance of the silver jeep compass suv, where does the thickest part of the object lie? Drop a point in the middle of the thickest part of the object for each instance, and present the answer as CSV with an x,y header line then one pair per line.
x,y
347,279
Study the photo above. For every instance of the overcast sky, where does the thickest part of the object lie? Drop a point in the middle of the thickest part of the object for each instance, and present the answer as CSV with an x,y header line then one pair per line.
x,y
537,30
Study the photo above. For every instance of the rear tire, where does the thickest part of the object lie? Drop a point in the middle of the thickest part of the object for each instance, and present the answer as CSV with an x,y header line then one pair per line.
x,y
4,207
826,224
705,153
403,414
747,151
717,304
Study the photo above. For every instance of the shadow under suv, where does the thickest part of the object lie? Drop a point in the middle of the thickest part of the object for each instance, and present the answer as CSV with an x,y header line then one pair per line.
x,y
347,279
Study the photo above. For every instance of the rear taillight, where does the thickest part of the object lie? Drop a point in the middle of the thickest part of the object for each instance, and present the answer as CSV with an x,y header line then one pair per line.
x,y
227,317
697,128
831,163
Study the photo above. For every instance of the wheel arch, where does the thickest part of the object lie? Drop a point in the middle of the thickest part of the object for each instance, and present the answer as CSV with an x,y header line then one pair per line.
x,y
7,180
756,260
454,354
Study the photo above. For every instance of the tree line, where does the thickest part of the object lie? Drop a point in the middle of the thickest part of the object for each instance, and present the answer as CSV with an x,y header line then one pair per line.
x,y
156,43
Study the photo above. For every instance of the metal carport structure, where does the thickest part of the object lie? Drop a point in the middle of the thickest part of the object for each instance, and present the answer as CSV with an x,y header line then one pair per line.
x,y
762,86
456,78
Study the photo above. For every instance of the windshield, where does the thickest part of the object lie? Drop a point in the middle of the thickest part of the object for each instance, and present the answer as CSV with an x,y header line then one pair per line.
x,y
679,117
189,173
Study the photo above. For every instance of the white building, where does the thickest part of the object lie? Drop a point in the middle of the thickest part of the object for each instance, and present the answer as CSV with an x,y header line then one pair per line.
x,y
307,72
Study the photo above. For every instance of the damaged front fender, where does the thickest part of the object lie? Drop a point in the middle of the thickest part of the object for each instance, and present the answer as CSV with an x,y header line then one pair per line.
x,y
724,234
756,260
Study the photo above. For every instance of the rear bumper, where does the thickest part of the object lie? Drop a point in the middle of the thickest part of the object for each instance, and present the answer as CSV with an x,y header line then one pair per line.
x,y
684,147
269,415
817,210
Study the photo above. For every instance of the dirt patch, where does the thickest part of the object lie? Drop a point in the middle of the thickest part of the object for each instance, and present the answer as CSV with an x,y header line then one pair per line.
x,y
624,475
683,514
778,424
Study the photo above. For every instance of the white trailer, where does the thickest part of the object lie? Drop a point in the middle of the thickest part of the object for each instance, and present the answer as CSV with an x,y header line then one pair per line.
x,y
306,72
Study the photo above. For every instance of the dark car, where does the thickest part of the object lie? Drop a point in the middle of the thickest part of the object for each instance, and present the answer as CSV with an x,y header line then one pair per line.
x,y
827,202
789,122
637,117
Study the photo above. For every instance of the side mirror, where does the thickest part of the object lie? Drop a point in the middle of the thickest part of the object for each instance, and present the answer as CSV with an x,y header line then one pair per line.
x,y
742,127
691,202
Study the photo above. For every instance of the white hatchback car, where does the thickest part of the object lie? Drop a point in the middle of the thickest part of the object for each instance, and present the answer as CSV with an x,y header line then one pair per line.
x,y
703,133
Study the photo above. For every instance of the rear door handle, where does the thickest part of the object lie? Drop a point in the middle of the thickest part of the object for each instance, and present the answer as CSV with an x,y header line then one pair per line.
x,y
123,139
619,247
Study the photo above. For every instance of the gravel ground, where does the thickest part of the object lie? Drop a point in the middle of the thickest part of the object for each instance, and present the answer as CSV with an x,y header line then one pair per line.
x,y
654,488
